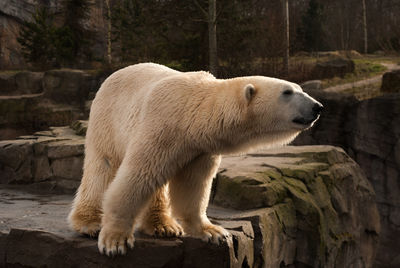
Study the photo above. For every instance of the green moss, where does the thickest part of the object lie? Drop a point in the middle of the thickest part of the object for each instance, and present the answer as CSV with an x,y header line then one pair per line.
x,y
364,68
247,193
327,178
80,127
366,91
320,192
271,173
304,172
286,215
296,183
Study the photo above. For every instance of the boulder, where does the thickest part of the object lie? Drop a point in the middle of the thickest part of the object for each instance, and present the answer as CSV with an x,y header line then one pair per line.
x,y
307,206
391,82
337,66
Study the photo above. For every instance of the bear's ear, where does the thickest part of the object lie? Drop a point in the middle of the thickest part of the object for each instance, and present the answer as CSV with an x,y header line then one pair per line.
x,y
249,92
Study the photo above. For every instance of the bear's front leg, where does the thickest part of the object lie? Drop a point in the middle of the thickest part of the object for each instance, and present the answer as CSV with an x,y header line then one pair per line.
x,y
124,199
156,219
190,193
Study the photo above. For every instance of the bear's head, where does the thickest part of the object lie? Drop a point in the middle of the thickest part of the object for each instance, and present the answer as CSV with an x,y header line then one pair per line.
x,y
273,111
283,104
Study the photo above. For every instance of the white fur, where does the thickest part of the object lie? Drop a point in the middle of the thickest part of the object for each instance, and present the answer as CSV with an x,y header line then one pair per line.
x,y
151,125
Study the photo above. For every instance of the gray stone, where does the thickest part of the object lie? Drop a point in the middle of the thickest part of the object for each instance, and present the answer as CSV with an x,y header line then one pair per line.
x,y
41,169
391,82
24,114
34,232
66,86
7,83
63,149
69,168
55,155
15,161
395,216
338,66
67,185
28,82
20,82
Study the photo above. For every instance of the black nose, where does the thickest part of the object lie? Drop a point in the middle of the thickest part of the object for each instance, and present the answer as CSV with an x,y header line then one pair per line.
x,y
317,108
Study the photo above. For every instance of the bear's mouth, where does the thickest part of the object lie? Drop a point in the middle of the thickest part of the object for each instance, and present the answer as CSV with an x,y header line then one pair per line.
x,y
304,121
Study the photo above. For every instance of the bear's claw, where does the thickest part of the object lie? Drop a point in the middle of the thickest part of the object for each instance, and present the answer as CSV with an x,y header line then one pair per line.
x,y
167,227
114,243
214,233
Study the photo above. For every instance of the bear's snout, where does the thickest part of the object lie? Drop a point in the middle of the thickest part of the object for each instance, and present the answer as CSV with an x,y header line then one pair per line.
x,y
317,109
309,110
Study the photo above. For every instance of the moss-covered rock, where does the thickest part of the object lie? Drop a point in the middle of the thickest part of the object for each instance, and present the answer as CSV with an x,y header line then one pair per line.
x,y
317,198
80,127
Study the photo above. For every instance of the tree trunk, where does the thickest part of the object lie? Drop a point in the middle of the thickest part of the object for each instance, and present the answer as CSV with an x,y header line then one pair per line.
x,y
286,37
212,36
109,58
365,27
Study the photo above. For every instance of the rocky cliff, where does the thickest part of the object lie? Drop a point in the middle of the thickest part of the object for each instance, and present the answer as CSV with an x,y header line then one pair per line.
x,y
369,132
308,206
14,12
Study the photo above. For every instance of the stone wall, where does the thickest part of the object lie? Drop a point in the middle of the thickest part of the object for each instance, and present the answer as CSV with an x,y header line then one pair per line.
x,y
50,159
32,101
308,206
369,131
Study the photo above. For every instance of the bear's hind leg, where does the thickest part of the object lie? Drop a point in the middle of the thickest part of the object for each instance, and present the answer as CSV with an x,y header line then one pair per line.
x,y
156,219
190,193
85,216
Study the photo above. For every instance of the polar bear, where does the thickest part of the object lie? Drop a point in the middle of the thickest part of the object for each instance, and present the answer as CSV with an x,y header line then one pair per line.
x,y
155,140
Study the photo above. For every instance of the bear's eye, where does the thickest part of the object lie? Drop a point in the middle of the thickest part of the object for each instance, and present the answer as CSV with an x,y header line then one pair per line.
x,y
287,92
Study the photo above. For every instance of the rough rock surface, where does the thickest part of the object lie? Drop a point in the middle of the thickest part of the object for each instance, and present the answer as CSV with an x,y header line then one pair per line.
x,y
32,112
338,66
21,82
369,132
67,86
305,206
32,101
50,159
391,82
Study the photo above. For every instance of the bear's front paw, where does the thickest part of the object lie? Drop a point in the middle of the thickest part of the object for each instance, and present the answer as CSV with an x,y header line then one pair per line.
x,y
87,222
207,231
214,233
113,242
163,226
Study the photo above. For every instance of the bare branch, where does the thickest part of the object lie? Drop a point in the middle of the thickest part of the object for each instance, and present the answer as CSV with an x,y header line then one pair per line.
x,y
202,9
